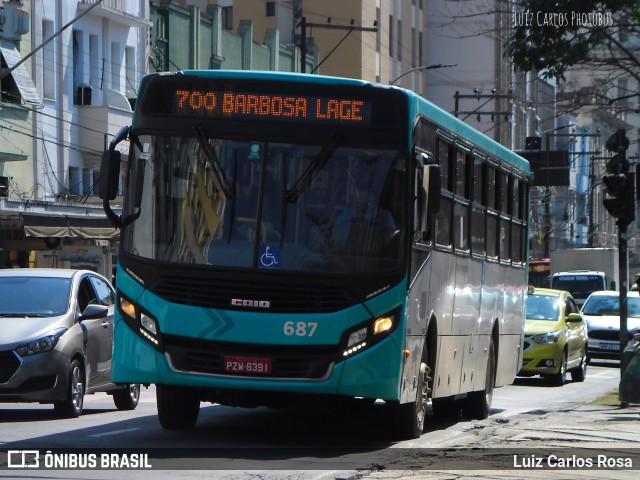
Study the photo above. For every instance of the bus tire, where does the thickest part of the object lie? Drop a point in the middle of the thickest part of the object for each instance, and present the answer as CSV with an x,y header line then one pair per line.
x,y
478,404
178,407
410,416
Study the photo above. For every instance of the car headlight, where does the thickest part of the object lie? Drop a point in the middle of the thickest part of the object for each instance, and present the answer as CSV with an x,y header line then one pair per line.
x,y
140,321
42,344
551,337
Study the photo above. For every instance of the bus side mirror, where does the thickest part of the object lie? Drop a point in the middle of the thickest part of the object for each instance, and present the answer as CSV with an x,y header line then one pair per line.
x,y
431,183
109,174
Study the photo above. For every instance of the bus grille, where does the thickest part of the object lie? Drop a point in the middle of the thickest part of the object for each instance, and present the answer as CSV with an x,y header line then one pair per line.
x,y
8,366
207,357
283,298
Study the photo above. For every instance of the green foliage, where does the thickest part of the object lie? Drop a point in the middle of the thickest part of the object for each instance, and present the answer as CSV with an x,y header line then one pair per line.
x,y
549,37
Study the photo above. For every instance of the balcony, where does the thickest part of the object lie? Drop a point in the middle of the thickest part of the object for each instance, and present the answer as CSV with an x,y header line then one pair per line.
x,y
119,11
101,116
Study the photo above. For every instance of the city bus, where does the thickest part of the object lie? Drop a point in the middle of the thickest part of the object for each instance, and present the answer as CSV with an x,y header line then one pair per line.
x,y
540,272
289,238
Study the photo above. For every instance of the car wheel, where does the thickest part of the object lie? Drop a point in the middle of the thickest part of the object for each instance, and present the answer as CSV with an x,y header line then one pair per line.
x,y
579,374
71,407
127,398
560,378
178,407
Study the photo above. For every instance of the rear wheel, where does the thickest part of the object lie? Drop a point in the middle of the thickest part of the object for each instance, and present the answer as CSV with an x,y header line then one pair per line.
x,y
478,404
178,407
580,373
71,407
127,398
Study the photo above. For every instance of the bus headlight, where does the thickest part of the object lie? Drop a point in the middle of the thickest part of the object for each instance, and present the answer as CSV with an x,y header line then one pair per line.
x,y
140,321
370,333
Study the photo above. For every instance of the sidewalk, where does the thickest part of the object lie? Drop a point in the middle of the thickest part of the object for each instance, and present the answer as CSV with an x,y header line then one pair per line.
x,y
583,441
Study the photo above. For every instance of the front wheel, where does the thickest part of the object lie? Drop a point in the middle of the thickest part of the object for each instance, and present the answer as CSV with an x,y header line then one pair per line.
x,y
127,398
561,377
178,407
410,416
71,407
478,404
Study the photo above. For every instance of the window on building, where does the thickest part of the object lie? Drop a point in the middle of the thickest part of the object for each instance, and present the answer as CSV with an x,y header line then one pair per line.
x,y
414,54
391,23
399,40
75,182
130,72
116,65
227,18
94,61
48,62
87,181
271,9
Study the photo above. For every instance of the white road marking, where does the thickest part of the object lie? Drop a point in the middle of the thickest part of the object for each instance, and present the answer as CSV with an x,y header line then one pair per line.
x,y
114,432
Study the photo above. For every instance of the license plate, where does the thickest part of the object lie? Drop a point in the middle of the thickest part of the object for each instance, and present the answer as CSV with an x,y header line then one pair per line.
x,y
610,346
252,365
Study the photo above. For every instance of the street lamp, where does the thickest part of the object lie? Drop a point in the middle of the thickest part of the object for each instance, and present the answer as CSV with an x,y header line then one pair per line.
x,y
423,67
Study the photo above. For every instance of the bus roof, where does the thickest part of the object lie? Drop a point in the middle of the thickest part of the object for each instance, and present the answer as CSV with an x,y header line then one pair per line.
x,y
417,105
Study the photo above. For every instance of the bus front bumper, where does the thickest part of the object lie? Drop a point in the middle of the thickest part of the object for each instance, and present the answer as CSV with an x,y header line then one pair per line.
x,y
371,373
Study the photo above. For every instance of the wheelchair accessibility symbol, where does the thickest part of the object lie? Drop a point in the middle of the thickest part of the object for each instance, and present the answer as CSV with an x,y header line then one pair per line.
x,y
270,256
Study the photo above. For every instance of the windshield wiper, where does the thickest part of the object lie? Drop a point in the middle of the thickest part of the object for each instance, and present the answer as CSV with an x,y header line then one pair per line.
x,y
316,165
213,159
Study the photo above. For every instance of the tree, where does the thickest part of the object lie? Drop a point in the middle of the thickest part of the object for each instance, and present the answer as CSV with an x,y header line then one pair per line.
x,y
550,36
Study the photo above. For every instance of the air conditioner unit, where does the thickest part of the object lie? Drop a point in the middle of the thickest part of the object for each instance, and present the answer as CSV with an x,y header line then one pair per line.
x,y
14,20
82,95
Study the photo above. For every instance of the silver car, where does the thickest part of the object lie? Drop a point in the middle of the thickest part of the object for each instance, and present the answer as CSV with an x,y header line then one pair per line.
x,y
601,311
56,330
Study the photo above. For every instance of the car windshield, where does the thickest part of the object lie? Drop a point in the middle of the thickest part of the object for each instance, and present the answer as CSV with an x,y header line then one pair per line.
x,y
34,296
543,307
610,305
264,205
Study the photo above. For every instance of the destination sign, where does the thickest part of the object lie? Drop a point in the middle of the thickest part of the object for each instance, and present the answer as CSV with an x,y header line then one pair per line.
x,y
278,107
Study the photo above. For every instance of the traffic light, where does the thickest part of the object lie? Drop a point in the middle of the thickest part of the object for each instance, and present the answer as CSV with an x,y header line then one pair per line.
x,y
620,201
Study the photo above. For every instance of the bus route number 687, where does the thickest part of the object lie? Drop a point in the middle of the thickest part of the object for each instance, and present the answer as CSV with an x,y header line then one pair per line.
x,y
300,329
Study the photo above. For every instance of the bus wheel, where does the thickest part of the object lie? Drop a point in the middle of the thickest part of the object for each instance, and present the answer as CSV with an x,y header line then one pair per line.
x,y
178,407
478,404
410,416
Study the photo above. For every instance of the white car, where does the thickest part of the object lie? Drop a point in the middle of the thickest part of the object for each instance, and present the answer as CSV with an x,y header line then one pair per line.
x,y
601,311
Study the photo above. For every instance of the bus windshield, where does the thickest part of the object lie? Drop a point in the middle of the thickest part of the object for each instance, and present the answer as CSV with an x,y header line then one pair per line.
x,y
264,205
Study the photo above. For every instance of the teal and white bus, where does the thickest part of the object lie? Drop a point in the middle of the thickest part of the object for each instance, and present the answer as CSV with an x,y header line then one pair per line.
x,y
287,238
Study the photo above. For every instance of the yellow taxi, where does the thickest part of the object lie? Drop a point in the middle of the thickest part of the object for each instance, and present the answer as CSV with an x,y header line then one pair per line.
x,y
555,337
